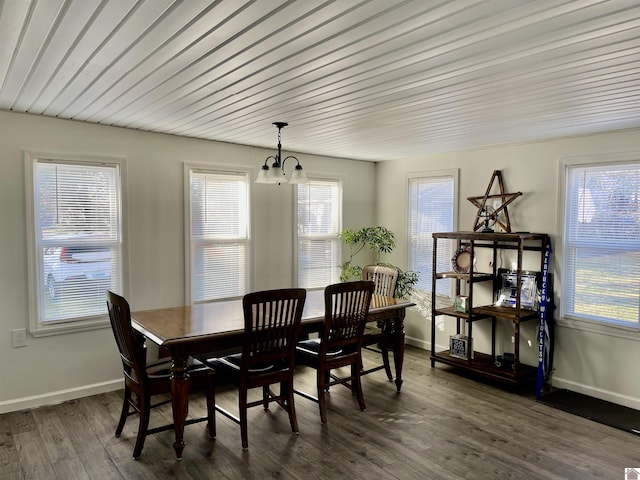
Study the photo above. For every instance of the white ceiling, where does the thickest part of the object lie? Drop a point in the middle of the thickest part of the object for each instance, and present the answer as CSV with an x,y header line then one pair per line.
x,y
363,79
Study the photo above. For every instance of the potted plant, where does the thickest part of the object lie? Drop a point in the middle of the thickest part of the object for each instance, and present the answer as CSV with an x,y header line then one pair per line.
x,y
379,240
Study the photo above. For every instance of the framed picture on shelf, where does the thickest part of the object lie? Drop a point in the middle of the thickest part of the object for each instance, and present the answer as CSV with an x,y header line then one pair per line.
x,y
460,347
507,294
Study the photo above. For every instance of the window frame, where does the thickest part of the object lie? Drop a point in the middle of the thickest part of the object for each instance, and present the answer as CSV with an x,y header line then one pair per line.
x,y
454,174
296,236
37,327
188,167
563,318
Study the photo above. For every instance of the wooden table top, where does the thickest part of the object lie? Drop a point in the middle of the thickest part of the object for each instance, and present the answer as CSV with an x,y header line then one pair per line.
x,y
166,326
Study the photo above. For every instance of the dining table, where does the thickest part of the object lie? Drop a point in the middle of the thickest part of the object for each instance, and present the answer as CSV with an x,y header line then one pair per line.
x,y
218,326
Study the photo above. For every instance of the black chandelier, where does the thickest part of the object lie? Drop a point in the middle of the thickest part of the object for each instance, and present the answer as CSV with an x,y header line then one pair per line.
x,y
276,174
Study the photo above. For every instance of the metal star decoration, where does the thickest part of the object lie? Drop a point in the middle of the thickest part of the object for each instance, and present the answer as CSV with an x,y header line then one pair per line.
x,y
500,215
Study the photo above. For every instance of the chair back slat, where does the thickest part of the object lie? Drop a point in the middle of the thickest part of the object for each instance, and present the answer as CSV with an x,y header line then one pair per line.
x,y
346,312
272,326
130,343
384,277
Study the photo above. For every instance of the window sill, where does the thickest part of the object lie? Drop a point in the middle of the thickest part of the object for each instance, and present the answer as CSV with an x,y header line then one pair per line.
x,y
619,331
62,328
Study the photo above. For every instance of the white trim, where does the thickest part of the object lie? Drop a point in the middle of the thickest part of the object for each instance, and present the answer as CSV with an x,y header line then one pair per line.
x,y
53,398
593,326
31,157
453,173
223,169
317,178
596,392
416,342
602,328
448,172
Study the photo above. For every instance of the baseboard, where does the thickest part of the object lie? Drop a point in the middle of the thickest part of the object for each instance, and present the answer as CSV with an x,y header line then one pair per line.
x,y
612,397
60,396
557,382
417,343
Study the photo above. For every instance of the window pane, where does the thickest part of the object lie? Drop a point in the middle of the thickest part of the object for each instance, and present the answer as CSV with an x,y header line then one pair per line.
x,y
319,248
78,236
602,243
317,262
430,210
219,235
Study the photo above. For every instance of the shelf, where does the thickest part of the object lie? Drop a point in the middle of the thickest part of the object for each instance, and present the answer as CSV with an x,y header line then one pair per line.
x,y
477,277
506,312
452,312
523,243
491,237
483,365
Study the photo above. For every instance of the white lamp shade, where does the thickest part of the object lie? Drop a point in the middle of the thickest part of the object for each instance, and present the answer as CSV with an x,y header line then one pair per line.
x,y
298,176
276,175
263,176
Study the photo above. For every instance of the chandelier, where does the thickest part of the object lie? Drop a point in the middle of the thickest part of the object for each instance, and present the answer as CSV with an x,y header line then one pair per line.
x,y
276,174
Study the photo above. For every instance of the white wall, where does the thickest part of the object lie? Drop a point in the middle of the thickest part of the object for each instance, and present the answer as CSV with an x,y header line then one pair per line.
x,y
60,367
599,364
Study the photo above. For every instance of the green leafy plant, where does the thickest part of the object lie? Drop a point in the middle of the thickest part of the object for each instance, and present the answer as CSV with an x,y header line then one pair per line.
x,y
379,240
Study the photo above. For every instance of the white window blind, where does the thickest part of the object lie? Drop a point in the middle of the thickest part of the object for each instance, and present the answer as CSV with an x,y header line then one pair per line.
x,y
431,209
78,238
219,234
318,225
601,251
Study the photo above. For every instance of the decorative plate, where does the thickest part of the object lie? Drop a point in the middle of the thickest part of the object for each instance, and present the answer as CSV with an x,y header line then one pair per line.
x,y
461,260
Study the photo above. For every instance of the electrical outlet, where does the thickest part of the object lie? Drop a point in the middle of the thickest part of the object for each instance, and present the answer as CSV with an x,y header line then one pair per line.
x,y
19,337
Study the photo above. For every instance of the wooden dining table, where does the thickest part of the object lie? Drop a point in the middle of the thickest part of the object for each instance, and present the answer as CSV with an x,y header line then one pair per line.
x,y
219,326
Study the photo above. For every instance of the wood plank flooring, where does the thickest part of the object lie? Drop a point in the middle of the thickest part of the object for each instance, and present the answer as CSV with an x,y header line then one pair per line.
x,y
442,426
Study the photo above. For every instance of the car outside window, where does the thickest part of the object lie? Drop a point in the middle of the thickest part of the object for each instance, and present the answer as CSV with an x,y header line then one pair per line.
x,y
75,241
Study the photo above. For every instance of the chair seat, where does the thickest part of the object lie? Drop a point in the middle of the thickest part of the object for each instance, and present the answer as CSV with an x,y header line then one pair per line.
x,y
233,362
161,369
312,347
372,329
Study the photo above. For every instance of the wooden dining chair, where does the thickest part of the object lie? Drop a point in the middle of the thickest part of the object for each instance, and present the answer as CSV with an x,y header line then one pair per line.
x,y
376,337
147,379
272,323
346,311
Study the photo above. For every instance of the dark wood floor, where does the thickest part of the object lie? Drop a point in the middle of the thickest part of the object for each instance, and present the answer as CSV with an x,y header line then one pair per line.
x,y
442,426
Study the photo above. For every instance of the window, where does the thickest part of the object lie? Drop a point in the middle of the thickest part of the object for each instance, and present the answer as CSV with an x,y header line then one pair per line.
x,y
431,209
319,207
601,242
219,234
75,236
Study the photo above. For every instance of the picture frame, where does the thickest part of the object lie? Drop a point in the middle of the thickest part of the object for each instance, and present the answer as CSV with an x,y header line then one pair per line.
x,y
507,296
460,347
461,260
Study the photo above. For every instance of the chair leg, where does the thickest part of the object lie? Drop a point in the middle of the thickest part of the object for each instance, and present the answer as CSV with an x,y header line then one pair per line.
x,y
242,406
322,402
286,391
357,384
211,409
265,397
145,412
125,411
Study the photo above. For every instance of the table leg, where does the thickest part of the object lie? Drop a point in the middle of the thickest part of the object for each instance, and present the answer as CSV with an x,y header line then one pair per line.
x,y
398,346
179,398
